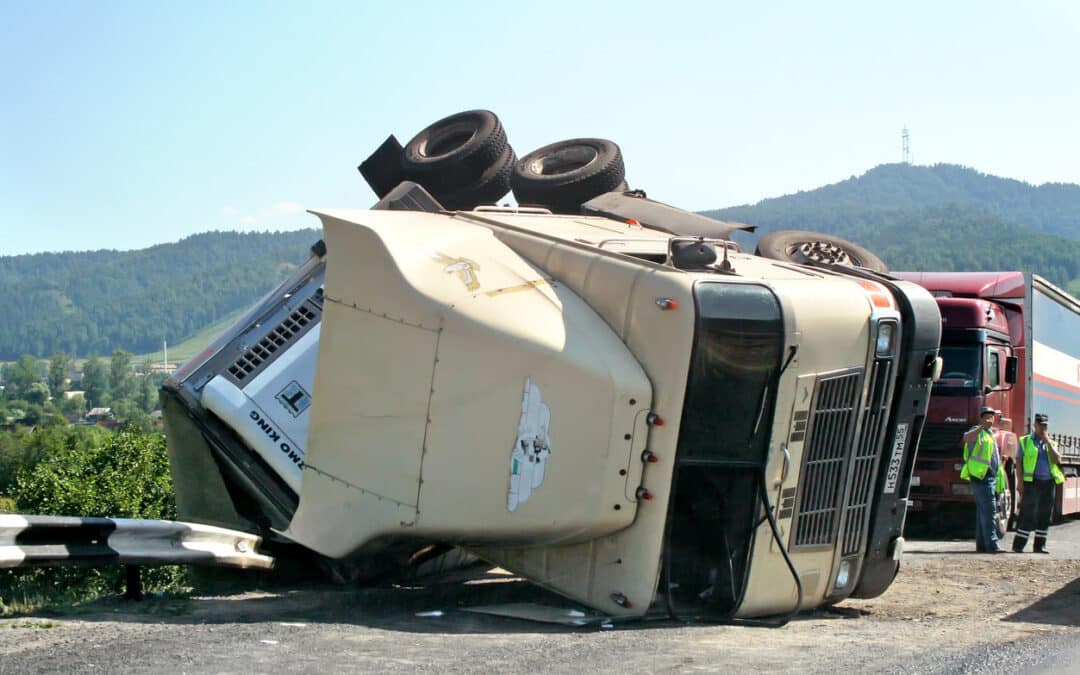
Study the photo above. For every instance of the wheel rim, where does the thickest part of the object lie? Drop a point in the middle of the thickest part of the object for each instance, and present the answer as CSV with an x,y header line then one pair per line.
x,y
821,252
563,160
1004,508
447,140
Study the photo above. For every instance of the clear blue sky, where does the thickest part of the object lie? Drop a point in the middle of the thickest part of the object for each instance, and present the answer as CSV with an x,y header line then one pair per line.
x,y
125,124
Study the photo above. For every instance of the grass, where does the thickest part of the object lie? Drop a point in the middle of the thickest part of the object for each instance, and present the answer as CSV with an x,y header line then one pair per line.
x,y
30,624
179,352
193,345
76,601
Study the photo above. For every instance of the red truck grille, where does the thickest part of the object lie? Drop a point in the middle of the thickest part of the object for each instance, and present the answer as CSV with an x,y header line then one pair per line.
x,y
942,440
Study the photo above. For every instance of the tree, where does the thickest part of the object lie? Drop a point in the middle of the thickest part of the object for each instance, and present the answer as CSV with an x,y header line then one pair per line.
x,y
34,414
37,393
94,381
59,365
124,408
120,377
83,473
73,407
20,375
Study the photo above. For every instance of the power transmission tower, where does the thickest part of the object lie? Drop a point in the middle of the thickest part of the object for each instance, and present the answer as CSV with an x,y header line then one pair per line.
x,y
906,139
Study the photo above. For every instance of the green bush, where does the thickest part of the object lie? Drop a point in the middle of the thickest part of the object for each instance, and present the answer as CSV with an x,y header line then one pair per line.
x,y
125,475
21,450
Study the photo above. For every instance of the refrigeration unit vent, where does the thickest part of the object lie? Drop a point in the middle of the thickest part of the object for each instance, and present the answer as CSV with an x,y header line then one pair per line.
x,y
256,357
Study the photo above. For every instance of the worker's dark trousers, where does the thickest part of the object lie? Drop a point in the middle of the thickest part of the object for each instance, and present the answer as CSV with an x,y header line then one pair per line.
x,y
1036,508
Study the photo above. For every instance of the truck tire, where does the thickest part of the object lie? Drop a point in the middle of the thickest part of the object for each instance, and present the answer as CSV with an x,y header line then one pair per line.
x,y
1002,513
800,246
454,152
564,175
491,186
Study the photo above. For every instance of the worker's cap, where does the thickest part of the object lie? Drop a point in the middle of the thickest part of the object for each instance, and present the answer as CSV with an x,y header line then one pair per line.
x,y
1041,419
987,410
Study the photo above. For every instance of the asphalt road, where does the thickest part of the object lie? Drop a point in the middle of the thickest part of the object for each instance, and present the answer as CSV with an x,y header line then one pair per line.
x,y
949,611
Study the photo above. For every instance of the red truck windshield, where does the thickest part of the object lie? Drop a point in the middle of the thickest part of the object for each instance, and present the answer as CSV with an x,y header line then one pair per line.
x,y
962,370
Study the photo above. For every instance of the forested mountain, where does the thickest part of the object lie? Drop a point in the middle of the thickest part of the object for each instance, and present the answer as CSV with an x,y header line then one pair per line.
x,y
95,302
942,217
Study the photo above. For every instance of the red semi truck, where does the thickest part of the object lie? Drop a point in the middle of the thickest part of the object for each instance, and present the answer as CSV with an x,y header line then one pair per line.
x,y
1010,340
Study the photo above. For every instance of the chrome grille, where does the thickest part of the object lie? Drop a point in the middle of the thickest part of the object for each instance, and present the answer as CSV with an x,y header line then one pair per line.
x,y
832,420
864,460
252,361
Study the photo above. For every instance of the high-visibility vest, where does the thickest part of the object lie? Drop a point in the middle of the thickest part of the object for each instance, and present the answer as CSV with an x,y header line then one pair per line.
x,y
1031,458
977,461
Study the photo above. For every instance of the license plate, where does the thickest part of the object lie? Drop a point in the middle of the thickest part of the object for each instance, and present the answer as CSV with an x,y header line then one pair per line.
x,y
916,481
899,443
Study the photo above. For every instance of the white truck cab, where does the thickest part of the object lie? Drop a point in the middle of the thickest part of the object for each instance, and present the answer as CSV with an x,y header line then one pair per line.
x,y
628,417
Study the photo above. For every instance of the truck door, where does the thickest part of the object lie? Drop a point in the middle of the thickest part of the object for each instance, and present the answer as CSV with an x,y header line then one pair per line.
x,y
996,389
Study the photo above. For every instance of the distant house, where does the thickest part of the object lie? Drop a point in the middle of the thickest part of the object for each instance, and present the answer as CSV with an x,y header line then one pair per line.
x,y
99,415
74,393
166,368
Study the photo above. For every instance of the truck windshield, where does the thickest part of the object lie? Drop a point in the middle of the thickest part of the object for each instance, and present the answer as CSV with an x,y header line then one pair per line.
x,y
723,440
962,369
737,350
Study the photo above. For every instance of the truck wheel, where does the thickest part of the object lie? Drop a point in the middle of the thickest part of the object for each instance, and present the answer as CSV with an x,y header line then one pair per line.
x,y
800,246
1003,512
454,152
491,186
564,175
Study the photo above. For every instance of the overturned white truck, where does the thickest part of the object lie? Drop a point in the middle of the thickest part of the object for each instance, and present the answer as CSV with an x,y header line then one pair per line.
x,y
624,414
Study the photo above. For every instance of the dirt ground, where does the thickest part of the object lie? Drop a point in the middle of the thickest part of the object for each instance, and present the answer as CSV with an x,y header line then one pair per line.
x,y
948,611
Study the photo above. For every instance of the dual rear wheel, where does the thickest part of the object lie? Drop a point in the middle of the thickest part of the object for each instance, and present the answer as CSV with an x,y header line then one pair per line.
x,y
465,160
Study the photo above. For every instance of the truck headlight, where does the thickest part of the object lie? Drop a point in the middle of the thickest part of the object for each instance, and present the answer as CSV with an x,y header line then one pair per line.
x,y
885,333
844,574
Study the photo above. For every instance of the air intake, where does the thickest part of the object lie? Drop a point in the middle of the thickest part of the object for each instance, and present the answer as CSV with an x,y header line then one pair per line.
x,y
864,460
825,457
276,340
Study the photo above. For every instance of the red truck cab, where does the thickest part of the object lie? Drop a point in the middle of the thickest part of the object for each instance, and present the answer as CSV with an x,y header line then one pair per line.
x,y
983,349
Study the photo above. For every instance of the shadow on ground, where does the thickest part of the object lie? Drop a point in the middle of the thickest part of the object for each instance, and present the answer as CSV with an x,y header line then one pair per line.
x,y
433,605
1062,607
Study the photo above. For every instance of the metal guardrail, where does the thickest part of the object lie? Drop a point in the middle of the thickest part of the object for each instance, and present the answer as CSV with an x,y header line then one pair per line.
x,y
40,541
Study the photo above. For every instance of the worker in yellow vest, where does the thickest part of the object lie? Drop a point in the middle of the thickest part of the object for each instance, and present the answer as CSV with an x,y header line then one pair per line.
x,y
982,461
1040,462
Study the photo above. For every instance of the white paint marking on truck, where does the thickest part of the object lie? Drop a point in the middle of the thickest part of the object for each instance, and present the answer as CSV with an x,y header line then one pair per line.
x,y
532,447
899,443
464,268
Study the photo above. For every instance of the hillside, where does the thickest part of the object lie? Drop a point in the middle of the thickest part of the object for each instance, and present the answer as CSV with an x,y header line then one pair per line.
x,y
942,217
94,302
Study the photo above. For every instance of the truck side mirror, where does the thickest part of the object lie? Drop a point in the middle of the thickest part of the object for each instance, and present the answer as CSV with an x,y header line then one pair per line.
x,y
1011,365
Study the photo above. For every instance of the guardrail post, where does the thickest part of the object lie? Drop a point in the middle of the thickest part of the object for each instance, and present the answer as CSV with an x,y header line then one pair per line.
x,y
133,582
